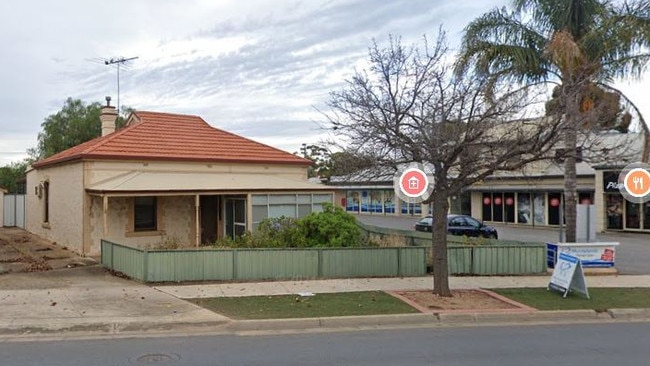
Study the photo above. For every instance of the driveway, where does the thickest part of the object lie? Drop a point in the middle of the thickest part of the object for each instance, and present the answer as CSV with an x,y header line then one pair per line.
x,y
21,251
632,255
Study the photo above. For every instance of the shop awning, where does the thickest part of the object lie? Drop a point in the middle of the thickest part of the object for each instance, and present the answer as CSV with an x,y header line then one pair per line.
x,y
138,181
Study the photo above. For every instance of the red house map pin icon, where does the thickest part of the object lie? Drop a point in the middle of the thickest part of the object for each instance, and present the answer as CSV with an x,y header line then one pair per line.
x,y
413,182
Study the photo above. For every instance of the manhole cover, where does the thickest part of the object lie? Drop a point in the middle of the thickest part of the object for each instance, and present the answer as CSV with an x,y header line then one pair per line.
x,y
158,358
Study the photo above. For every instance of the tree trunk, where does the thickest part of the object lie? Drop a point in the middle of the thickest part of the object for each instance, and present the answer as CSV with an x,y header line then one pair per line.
x,y
570,144
439,245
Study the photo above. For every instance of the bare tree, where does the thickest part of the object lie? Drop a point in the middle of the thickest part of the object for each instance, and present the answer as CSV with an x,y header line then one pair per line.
x,y
409,107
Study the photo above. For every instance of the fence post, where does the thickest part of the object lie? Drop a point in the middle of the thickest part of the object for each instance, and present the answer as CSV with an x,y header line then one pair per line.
x,y
320,262
234,263
145,265
399,261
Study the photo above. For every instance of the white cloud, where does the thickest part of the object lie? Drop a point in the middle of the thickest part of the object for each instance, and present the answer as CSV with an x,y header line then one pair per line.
x,y
258,68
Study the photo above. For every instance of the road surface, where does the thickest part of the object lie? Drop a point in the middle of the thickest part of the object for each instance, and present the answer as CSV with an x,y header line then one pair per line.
x,y
593,345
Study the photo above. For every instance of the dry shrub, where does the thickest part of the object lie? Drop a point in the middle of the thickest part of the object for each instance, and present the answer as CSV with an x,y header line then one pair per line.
x,y
391,240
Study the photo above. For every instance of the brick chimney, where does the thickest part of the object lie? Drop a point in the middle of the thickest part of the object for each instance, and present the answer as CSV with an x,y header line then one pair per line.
x,y
108,117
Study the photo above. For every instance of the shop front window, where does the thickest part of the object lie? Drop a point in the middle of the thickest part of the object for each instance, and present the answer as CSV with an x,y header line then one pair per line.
x,y
614,211
411,208
523,208
487,207
375,201
352,201
509,207
497,207
632,216
389,202
585,199
539,208
365,201
554,205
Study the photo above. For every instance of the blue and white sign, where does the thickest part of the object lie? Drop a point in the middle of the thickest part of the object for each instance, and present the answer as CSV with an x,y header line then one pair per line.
x,y
568,276
592,255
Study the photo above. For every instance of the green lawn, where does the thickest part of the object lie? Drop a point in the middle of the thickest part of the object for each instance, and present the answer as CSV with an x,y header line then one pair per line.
x,y
600,298
377,302
295,306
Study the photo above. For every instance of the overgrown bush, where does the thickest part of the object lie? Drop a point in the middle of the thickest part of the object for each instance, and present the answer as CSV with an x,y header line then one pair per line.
x,y
333,227
280,232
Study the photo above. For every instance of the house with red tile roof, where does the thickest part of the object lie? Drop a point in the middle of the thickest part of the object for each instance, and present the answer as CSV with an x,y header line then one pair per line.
x,y
164,178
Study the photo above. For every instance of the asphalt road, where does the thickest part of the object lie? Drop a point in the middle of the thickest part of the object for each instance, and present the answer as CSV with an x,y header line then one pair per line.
x,y
594,345
632,254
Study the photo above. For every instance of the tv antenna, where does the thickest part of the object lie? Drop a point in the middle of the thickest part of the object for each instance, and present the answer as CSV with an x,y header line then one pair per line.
x,y
120,61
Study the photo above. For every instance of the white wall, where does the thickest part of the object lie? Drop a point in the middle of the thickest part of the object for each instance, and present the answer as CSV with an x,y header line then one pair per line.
x,y
65,225
2,205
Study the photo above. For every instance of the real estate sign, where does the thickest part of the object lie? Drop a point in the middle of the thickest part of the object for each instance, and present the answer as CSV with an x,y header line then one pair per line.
x,y
568,276
595,255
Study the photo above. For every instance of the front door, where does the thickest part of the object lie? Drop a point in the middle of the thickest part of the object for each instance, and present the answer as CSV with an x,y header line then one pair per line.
x,y
235,216
210,209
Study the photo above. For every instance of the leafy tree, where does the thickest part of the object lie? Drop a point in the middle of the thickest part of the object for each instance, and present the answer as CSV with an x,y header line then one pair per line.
x,y
574,44
74,124
327,164
409,108
320,157
11,176
348,162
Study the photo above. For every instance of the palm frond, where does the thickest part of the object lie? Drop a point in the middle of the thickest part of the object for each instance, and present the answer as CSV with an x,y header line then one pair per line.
x,y
499,43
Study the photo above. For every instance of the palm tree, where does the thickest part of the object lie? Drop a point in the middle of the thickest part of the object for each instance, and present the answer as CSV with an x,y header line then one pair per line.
x,y
572,43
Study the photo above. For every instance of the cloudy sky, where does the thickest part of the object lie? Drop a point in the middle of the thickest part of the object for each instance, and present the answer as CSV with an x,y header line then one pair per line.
x,y
257,68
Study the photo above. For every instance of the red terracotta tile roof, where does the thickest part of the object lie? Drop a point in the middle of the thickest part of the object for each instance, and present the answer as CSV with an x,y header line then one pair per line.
x,y
173,137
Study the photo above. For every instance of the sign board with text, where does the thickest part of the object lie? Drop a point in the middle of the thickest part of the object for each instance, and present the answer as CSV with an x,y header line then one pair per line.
x,y
568,276
591,255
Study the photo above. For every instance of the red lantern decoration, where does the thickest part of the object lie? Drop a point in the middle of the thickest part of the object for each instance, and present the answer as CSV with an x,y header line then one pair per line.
x,y
497,201
555,202
510,201
486,201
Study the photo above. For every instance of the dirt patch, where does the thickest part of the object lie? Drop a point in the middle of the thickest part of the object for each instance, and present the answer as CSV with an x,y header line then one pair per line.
x,y
462,300
21,251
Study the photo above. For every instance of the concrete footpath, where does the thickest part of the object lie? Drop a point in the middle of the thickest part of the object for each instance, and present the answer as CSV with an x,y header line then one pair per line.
x,y
89,301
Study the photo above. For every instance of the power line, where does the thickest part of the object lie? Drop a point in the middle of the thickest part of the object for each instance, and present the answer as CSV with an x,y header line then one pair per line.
x,y
119,62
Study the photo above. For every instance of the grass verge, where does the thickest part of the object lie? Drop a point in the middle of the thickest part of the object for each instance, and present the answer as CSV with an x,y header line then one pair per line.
x,y
600,298
296,306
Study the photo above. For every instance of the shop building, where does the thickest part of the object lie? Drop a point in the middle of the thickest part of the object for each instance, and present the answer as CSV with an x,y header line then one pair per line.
x,y
373,194
531,196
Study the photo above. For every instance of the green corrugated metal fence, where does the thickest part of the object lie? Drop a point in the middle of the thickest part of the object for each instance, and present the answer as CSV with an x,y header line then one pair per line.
x,y
502,257
508,259
257,264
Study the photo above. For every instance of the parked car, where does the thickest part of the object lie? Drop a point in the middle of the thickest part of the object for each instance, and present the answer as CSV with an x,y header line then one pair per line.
x,y
460,225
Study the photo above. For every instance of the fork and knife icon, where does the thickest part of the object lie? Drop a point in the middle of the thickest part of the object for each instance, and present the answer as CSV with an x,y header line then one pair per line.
x,y
638,182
